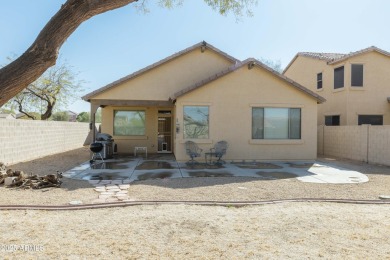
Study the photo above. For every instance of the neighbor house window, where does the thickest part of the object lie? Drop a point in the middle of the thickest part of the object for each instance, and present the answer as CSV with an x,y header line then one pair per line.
x,y
357,75
319,81
127,123
196,122
339,77
332,120
276,123
370,120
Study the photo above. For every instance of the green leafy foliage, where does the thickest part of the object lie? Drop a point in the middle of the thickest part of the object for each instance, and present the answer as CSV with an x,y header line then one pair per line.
x,y
83,117
60,116
53,90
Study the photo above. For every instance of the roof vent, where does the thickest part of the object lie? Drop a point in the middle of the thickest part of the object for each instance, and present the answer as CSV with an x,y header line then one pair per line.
x,y
251,65
203,47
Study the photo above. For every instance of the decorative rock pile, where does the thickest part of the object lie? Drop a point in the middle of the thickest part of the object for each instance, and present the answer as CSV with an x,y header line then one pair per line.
x,y
19,179
111,191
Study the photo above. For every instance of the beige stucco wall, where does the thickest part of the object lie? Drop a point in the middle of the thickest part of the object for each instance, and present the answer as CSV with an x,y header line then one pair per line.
x,y
165,80
230,100
348,102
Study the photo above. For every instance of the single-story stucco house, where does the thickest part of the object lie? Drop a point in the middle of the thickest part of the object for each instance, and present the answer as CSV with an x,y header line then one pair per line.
x,y
205,95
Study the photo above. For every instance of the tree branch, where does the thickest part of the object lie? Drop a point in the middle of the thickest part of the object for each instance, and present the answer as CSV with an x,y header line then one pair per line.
x,y
43,53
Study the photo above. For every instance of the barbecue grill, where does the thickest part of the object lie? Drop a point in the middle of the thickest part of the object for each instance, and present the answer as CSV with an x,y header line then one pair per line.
x,y
108,145
96,149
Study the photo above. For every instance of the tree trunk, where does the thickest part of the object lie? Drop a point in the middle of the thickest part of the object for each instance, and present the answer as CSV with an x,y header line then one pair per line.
x,y
49,110
43,53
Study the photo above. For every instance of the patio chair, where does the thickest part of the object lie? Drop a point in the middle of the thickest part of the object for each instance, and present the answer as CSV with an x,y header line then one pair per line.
x,y
193,151
218,151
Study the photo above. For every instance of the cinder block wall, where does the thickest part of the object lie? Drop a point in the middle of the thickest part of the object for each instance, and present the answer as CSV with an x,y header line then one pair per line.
x,y
23,140
365,143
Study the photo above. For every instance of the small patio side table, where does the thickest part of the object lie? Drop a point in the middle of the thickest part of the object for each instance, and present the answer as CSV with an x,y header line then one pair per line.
x,y
209,154
141,148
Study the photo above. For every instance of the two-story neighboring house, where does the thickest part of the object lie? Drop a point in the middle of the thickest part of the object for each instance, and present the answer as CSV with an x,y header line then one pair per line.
x,y
355,85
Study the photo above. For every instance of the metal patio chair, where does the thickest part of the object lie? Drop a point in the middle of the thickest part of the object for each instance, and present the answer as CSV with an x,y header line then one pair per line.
x,y
193,151
218,151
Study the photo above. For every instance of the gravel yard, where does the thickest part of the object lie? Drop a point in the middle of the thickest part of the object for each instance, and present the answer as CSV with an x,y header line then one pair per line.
x,y
199,188
285,230
277,231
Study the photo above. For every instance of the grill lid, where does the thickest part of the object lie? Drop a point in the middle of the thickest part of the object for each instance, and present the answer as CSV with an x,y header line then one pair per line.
x,y
103,137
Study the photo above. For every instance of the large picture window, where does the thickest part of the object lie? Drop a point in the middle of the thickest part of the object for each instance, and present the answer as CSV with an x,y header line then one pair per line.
x,y
127,123
196,122
276,123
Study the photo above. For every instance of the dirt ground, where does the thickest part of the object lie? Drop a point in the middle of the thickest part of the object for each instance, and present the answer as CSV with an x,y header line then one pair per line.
x,y
199,188
275,231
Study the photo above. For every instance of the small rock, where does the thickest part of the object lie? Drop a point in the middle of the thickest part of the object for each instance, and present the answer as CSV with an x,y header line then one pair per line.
x,y
384,197
75,202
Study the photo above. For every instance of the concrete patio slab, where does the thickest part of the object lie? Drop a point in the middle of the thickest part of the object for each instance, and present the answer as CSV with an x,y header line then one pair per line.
x,y
124,170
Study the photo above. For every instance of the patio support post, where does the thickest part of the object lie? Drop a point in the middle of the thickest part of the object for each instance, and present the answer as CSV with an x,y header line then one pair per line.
x,y
94,108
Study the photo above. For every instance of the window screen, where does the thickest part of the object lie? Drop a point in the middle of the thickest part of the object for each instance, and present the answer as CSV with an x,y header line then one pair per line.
x,y
332,120
319,81
370,120
339,77
357,75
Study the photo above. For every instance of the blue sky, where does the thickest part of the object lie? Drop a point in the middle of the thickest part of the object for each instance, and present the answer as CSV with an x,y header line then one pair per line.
x,y
119,42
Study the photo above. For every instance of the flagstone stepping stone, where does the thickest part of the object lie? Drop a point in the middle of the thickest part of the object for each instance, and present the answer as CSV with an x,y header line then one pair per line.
x,y
107,193
94,181
114,191
126,181
122,192
124,186
100,189
112,187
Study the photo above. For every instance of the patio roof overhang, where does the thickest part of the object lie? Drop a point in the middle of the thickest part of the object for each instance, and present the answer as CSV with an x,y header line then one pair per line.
x,y
134,103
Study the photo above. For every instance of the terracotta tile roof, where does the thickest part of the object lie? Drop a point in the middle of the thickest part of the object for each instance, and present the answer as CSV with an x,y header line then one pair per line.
x,y
332,58
351,54
250,63
322,55
203,44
